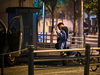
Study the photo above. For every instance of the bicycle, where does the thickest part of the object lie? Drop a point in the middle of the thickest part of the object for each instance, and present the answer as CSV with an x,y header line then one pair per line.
x,y
79,61
95,60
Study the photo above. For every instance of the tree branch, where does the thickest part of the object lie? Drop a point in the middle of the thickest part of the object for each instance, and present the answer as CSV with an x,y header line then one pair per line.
x,y
55,3
50,2
49,8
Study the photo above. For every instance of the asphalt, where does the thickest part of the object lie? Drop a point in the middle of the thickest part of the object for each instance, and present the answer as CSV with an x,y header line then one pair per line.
x,y
23,70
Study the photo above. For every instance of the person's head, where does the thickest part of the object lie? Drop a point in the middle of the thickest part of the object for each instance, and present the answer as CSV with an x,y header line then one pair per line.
x,y
60,25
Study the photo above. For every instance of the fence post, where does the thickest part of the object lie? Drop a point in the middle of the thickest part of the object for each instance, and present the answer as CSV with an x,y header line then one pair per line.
x,y
2,65
70,41
50,40
30,60
46,37
84,39
87,54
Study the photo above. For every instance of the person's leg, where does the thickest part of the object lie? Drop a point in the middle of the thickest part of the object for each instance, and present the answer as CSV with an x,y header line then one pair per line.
x,y
62,54
72,54
61,47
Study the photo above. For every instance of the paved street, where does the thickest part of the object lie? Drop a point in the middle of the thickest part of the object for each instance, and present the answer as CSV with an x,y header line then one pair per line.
x,y
23,70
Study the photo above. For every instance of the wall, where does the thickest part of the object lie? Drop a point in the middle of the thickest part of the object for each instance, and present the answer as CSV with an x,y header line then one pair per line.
x,y
11,3
48,22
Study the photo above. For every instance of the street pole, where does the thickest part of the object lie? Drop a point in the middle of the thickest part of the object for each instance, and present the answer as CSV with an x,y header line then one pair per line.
x,y
43,21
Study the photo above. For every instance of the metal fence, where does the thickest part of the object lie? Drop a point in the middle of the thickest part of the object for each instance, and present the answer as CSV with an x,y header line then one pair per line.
x,y
31,59
47,39
78,40
86,57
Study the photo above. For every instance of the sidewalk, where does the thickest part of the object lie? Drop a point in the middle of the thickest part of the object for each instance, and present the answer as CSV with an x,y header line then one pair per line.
x,y
23,70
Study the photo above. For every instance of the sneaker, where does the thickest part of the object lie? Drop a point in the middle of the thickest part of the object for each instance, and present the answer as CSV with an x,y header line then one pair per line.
x,y
63,55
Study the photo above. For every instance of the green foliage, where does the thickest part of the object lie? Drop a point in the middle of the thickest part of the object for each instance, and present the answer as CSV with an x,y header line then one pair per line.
x,y
52,4
40,4
63,2
91,7
35,4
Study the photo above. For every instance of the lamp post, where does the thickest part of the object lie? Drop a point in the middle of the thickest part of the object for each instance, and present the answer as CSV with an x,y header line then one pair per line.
x,y
43,21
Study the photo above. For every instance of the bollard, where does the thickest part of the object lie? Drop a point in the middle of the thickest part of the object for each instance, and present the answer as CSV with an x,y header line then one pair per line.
x,y
87,53
2,65
30,60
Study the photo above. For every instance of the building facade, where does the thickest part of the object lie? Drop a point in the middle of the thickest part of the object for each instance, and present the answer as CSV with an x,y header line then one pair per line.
x,y
4,4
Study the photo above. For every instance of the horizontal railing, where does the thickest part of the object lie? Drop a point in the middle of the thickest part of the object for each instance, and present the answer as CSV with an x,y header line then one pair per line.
x,y
31,52
86,57
47,39
77,41
30,59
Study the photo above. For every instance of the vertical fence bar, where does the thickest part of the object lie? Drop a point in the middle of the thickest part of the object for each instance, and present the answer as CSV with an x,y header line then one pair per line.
x,y
87,53
50,40
2,66
70,41
84,39
46,37
41,37
30,60
44,41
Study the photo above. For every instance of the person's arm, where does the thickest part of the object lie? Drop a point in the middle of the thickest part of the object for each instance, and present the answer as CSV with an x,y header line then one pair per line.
x,y
62,35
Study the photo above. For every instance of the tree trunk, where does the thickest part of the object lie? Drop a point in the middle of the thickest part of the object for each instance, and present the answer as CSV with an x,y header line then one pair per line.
x,y
52,27
81,22
99,23
75,22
